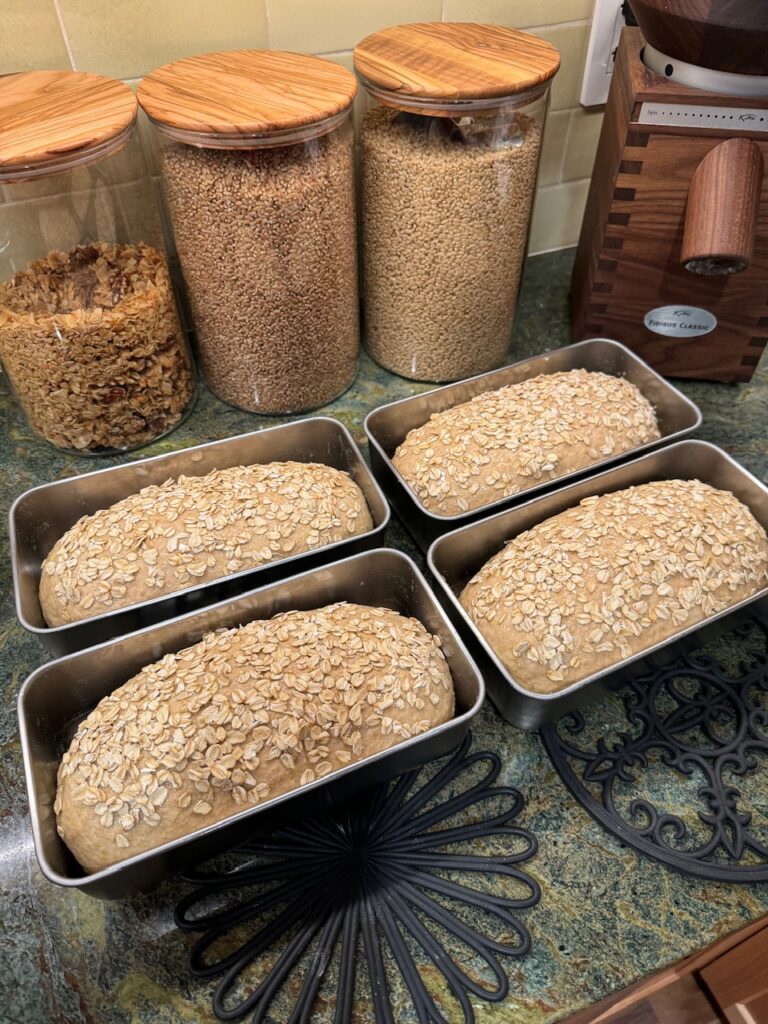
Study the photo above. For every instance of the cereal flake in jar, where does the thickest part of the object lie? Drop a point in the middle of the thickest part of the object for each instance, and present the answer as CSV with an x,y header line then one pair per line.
x,y
90,334
92,342
262,206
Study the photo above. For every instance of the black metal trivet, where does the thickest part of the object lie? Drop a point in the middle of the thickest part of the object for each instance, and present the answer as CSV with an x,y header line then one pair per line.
x,y
675,763
329,912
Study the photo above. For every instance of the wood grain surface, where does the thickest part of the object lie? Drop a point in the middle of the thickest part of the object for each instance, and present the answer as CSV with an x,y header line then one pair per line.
x,y
455,61
723,208
47,114
629,256
687,993
246,92
738,981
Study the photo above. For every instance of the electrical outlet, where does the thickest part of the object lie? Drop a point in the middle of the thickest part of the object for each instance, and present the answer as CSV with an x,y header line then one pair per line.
x,y
607,23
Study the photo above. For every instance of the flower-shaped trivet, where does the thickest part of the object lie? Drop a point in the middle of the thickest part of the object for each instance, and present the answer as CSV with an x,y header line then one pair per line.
x,y
352,915
676,764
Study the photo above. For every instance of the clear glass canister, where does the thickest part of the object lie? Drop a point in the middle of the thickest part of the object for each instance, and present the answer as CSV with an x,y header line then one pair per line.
x,y
90,334
450,150
260,192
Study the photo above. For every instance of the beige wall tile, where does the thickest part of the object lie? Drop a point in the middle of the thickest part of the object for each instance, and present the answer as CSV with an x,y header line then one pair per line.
x,y
555,133
129,39
361,100
571,41
557,216
518,13
30,37
148,137
150,142
314,27
344,58
581,144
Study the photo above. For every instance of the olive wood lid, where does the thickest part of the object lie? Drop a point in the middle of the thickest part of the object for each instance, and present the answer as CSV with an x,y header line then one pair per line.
x,y
453,62
54,120
241,93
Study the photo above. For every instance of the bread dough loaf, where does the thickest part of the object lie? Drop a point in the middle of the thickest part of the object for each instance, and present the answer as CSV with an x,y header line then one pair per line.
x,y
188,531
241,717
506,441
613,576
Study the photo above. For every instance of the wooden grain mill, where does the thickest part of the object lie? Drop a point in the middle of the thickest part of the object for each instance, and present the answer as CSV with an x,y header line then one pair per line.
x,y
673,254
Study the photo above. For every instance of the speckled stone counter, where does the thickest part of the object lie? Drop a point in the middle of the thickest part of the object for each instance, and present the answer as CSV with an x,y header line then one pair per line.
x,y
607,916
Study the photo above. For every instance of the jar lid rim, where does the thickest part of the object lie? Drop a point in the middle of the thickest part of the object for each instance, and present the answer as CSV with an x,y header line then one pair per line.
x,y
233,94
53,121
454,62
489,105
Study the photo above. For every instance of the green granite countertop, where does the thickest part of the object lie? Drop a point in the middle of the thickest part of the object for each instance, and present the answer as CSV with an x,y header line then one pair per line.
x,y
607,915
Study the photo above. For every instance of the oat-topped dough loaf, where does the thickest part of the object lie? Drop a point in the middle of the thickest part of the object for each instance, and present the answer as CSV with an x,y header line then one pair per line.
x,y
503,442
241,717
184,532
614,575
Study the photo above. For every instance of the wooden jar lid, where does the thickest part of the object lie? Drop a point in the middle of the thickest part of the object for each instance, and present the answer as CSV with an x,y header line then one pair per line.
x,y
457,62
241,93
50,120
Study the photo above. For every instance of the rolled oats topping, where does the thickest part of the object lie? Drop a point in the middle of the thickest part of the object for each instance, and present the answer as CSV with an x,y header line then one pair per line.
x,y
184,532
614,575
503,442
239,718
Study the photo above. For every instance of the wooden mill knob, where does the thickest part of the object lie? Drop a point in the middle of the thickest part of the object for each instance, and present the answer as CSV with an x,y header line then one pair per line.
x,y
723,203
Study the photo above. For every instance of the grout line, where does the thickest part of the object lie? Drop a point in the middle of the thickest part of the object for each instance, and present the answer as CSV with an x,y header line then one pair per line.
x,y
62,26
556,24
268,23
566,143
334,53
560,184
442,10
555,248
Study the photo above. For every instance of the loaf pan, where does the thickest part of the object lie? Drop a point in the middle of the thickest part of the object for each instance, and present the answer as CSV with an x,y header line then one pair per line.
x,y
41,515
387,426
60,694
456,557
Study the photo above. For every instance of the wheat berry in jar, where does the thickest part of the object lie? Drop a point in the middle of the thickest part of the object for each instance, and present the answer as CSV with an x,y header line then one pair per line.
x,y
256,156
450,151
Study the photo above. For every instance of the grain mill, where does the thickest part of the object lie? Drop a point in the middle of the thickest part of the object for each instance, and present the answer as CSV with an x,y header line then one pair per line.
x,y
673,254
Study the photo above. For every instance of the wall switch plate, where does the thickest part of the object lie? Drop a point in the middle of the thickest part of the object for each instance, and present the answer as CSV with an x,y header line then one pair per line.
x,y
607,23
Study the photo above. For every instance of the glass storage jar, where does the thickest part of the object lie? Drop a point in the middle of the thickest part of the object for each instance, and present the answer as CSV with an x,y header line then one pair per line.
x,y
450,150
90,335
257,164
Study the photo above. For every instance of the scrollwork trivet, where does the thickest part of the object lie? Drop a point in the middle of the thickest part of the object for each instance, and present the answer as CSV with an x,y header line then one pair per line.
x,y
675,764
335,909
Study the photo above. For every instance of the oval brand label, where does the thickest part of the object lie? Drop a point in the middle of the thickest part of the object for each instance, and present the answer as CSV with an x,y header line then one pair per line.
x,y
680,321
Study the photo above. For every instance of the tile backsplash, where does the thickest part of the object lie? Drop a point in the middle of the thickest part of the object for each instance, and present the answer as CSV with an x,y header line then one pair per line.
x,y
127,40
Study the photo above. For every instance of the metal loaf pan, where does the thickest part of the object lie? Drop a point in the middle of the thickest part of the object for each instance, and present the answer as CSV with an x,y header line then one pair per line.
x,y
387,426
455,558
40,516
60,694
